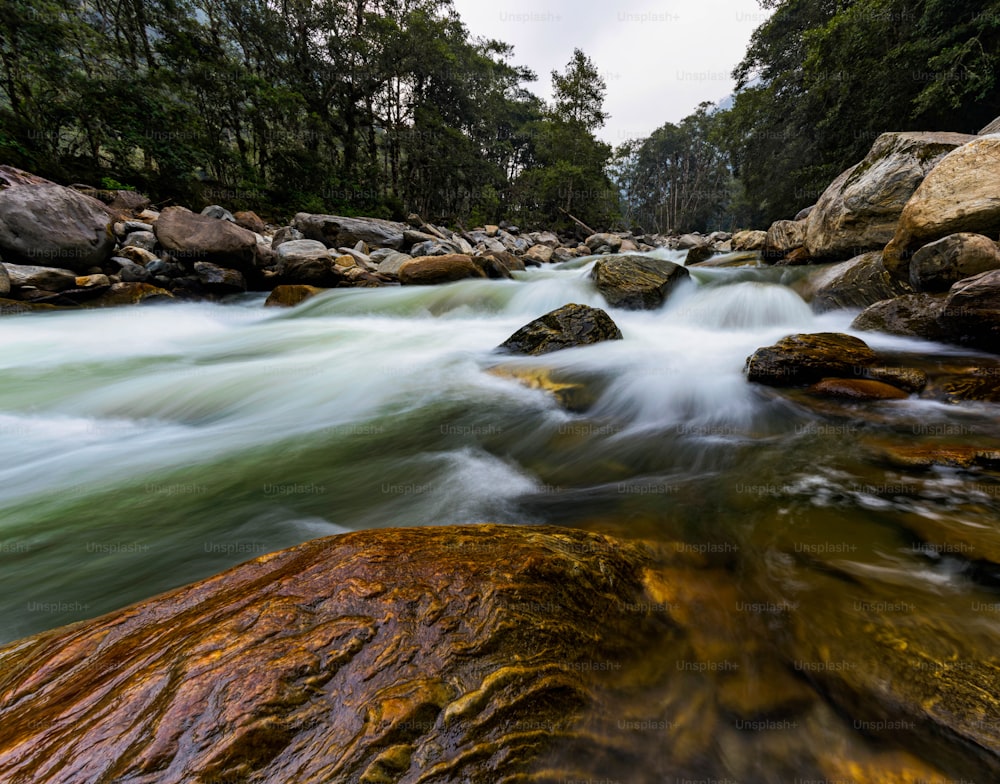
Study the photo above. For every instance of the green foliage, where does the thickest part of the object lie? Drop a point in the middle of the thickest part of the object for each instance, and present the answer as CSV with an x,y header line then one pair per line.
x,y
823,78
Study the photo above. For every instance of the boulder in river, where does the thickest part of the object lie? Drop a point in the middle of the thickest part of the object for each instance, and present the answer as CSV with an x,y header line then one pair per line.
x,y
958,195
4,281
783,237
749,240
45,278
566,327
431,270
491,660
194,237
44,222
939,265
307,263
288,296
336,231
911,315
603,243
806,359
860,209
218,280
129,294
856,283
637,282
971,313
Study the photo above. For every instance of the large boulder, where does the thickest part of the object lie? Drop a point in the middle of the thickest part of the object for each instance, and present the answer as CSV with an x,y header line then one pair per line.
x,y
861,208
46,278
806,359
44,222
336,231
566,327
912,315
941,264
637,282
857,283
431,270
971,314
958,195
472,653
783,237
603,243
307,263
192,237
749,240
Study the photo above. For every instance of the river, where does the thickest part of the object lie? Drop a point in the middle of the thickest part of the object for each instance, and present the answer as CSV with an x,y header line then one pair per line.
x,y
152,446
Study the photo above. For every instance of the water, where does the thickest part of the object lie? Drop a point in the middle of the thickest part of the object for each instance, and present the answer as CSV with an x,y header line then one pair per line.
x,y
152,446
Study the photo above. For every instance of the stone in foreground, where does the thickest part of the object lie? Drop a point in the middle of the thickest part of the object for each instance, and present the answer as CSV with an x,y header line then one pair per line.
x,y
637,282
566,327
426,654
807,359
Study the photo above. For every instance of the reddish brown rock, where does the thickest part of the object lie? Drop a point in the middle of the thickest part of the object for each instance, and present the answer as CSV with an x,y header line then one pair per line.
x,y
290,296
436,655
430,270
856,389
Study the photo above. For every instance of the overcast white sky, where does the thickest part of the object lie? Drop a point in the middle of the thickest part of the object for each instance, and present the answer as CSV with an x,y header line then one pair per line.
x,y
660,58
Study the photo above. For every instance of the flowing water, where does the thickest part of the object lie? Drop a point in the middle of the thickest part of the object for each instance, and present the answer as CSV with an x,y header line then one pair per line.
x,y
149,447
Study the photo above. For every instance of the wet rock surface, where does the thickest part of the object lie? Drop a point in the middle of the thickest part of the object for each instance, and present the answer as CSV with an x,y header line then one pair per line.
x,y
637,282
566,327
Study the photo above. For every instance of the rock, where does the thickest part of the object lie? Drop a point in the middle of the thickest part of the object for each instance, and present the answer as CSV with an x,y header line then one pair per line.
x,y
699,254
566,327
290,296
165,269
430,270
323,663
13,307
391,264
336,231
783,237
219,280
47,222
435,247
133,226
129,294
92,281
939,265
362,260
637,282
302,248
199,238
857,283
971,313
860,210
130,272
570,393
137,255
285,234
492,267
603,243
4,281
749,240
911,315
509,261
539,254
807,359
805,212
546,238
218,213
560,255
911,380
250,221
956,196
307,262
628,246
47,278
491,230
856,389
141,239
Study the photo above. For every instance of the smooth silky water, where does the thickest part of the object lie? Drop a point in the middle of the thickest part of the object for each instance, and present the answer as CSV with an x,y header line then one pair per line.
x,y
149,447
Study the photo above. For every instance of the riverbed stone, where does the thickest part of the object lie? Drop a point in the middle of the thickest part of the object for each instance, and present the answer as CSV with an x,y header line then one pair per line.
x,y
44,222
191,237
320,664
433,270
603,243
860,210
289,296
856,389
808,358
566,327
637,282
939,265
971,313
857,283
46,278
749,240
129,294
911,315
336,231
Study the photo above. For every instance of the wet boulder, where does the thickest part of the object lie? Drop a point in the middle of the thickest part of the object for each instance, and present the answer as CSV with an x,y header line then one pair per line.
x,y
566,327
856,283
637,282
336,231
911,315
432,270
288,296
806,359
939,265
971,313
192,237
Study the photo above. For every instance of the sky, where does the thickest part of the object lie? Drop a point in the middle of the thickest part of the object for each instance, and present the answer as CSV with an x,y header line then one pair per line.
x,y
659,58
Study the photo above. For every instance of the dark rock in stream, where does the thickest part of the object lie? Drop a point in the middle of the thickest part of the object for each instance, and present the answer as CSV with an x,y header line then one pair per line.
x,y
476,654
566,327
637,282
806,359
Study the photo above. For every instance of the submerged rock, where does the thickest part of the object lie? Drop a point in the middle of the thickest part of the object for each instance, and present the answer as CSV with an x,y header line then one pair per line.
x,y
806,359
637,282
475,653
856,389
291,295
566,327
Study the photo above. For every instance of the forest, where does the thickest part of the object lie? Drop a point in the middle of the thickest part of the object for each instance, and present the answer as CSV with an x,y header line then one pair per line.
x,y
387,107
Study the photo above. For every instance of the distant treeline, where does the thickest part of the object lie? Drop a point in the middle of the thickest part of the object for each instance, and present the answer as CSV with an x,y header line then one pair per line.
x,y
384,107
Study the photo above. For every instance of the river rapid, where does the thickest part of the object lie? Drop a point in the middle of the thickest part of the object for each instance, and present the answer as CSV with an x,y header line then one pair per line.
x,y
152,446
